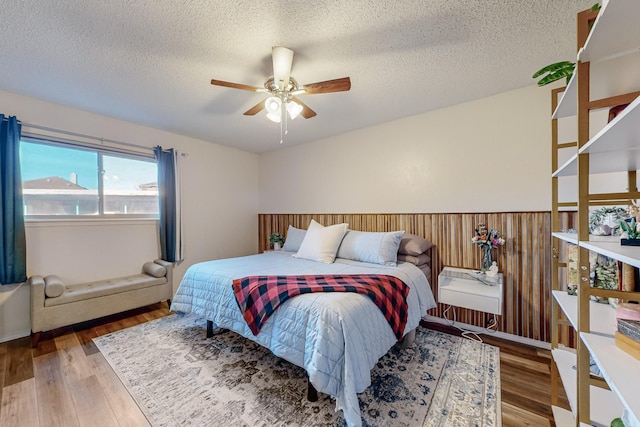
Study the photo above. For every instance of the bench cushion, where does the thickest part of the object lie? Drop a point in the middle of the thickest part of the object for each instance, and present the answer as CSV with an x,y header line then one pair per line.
x,y
101,288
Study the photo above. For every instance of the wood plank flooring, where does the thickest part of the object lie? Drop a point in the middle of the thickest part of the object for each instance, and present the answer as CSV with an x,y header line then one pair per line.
x,y
65,381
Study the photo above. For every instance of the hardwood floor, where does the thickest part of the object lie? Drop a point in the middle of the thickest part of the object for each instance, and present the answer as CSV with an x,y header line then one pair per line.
x,y
65,381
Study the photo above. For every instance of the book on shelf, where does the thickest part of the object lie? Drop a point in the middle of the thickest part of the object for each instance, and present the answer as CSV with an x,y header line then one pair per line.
x,y
627,336
629,345
630,328
628,311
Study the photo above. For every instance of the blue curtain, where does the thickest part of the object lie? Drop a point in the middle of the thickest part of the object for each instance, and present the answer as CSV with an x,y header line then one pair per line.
x,y
168,195
13,246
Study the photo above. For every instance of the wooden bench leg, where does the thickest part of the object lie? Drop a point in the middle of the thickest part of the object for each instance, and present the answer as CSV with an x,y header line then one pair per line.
x,y
312,393
35,338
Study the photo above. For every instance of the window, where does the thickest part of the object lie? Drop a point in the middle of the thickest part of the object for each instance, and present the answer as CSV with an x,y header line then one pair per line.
x,y
67,180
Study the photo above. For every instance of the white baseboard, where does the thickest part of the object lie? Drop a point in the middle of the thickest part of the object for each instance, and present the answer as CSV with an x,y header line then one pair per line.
x,y
15,336
15,311
479,330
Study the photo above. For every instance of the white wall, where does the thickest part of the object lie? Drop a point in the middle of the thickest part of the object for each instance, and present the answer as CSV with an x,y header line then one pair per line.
x,y
491,154
220,206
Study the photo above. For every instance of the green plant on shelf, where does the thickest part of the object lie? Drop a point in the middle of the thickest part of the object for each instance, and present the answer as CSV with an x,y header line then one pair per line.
x,y
630,229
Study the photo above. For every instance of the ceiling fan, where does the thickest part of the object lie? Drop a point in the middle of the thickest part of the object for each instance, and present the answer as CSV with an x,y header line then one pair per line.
x,y
283,90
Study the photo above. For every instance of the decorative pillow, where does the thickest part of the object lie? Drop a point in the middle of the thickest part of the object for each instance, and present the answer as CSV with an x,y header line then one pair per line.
x,y
421,259
426,270
413,245
295,236
53,286
372,247
321,243
153,269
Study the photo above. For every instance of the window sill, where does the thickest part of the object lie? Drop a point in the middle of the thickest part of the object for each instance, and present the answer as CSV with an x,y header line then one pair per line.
x,y
83,222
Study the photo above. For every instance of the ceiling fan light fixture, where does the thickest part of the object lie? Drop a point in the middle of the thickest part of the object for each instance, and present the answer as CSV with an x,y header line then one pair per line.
x,y
294,109
274,117
273,105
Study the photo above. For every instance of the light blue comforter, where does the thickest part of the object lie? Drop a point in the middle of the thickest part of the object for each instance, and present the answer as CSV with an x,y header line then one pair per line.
x,y
336,337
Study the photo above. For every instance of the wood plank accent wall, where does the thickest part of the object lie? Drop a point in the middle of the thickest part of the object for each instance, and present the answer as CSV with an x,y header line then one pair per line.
x,y
525,259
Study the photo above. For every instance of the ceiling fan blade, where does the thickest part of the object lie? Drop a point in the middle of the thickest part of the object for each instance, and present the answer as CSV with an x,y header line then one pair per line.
x,y
307,112
255,109
282,60
236,85
336,85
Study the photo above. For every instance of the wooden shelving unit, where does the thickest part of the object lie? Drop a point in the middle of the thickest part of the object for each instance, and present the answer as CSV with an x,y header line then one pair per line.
x,y
613,36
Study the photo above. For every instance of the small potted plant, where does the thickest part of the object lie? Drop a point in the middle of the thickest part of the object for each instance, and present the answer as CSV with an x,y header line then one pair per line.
x,y
630,226
630,232
277,240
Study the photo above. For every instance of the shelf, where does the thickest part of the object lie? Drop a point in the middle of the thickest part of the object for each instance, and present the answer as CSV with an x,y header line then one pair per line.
x,y
567,106
605,245
616,148
620,370
615,32
563,418
567,237
605,405
610,246
621,134
606,162
603,316
568,168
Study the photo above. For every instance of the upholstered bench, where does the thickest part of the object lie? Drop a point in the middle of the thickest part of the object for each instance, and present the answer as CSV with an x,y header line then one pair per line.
x,y
53,304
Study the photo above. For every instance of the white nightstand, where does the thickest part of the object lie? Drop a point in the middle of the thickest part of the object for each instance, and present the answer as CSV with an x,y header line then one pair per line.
x,y
466,288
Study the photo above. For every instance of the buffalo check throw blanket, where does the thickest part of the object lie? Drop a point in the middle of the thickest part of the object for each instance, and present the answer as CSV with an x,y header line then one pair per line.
x,y
259,296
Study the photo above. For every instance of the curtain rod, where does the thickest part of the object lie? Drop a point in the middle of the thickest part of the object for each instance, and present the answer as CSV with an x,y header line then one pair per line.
x,y
80,135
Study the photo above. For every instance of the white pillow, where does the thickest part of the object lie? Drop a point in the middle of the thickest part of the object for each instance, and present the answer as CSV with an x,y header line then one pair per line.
x,y
295,236
372,247
321,243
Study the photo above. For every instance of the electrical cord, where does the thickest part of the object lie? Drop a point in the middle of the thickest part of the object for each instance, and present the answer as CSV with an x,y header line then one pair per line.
x,y
471,334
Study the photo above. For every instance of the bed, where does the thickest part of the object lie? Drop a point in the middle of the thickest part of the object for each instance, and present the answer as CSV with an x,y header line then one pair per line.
x,y
336,337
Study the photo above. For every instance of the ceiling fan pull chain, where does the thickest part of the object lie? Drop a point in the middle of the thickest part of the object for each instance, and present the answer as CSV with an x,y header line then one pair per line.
x,y
285,117
282,119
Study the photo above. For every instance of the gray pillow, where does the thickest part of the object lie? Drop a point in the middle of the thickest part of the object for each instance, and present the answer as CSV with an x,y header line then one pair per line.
x,y
372,247
413,245
53,286
416,260
294,239
153,269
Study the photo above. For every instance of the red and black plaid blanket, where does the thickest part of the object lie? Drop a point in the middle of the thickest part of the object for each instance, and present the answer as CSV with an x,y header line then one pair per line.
x,y
259,296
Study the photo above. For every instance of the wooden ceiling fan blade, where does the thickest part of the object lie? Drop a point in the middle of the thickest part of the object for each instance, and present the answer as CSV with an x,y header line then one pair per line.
x,y
236,85
329,86
255,109
307,112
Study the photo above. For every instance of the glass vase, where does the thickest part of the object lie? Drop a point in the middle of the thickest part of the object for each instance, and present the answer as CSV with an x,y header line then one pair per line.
x,y
486,260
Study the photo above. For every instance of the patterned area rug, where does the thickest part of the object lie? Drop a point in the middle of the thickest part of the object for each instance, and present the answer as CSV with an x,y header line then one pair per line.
x,y
180,378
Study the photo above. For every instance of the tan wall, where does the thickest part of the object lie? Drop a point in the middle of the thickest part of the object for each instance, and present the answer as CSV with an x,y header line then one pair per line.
x,y
220,203
489,155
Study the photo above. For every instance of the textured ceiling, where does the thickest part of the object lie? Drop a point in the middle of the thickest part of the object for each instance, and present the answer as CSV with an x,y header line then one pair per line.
x,y
151,61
